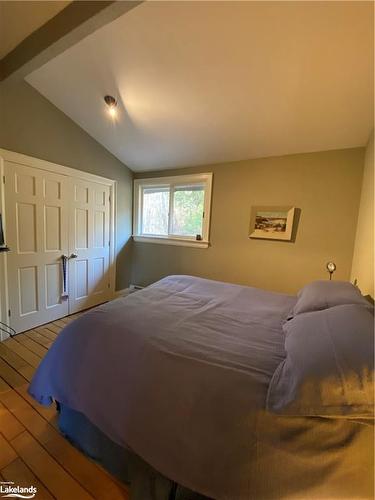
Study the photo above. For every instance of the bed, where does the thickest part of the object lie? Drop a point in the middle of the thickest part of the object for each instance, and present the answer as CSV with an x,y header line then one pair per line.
x,y
193,378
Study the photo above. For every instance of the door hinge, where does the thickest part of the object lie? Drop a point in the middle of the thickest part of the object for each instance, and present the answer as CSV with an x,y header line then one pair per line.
x,y
3,179
9,313
109,285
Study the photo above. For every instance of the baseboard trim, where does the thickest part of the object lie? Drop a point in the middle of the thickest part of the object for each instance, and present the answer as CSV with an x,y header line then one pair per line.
x,y
121,293
134,288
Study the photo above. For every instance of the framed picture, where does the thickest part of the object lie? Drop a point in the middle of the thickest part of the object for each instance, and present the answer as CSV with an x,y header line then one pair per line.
x,y
272,223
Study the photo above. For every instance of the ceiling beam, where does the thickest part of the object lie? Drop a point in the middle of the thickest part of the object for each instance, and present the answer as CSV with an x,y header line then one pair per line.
x,y
76,21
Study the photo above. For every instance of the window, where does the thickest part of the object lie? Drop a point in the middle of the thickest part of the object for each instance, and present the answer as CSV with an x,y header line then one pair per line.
x,y
173,210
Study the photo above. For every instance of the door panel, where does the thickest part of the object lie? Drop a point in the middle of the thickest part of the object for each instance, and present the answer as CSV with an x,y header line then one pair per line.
x,y
28,290
52,221
36,211
26,227
53,284
89,273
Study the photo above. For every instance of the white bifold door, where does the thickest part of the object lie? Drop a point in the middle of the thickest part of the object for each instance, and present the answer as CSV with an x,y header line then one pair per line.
x,y
89,240
58,230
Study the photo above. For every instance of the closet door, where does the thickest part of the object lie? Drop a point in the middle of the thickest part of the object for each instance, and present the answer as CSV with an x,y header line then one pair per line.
x,y
89,237
36,211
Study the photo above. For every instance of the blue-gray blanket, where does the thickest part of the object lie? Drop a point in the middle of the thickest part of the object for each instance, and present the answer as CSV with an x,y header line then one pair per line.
x,y
179,374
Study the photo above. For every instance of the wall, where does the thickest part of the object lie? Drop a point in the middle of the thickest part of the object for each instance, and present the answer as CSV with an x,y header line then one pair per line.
x,y
31,125
325,186
363,257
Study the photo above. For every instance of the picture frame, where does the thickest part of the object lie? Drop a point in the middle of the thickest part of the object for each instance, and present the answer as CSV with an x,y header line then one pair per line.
x,y
272,222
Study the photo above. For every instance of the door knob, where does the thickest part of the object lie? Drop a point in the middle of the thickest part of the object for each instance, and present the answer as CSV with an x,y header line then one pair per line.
x,y
73,256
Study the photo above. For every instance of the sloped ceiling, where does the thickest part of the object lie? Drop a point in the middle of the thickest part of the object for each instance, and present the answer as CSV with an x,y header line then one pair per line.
x,y
208,82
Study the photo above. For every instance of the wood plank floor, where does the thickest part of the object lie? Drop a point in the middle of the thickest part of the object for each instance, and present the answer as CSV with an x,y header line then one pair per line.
x,y
32,451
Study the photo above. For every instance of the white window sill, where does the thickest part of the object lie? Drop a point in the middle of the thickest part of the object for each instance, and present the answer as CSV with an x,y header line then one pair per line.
x,y
160,240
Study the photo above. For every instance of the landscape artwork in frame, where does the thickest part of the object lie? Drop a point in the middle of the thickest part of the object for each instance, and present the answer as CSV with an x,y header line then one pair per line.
x,y
273,223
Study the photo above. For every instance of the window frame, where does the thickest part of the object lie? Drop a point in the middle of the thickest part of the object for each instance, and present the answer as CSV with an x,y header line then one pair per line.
x,y
172,182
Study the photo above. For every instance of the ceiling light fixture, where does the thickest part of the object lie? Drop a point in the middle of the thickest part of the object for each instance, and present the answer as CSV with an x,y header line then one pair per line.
x,y
112,104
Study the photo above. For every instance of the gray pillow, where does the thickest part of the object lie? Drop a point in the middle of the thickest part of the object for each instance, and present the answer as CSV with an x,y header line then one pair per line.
x,y
320,295
329,365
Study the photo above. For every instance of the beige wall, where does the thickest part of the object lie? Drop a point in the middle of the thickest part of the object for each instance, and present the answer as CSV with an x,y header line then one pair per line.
x,y
31,125
326,188
363,258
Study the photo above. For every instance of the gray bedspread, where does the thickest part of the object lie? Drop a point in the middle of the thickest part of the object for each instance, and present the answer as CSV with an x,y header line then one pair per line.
x,y
179,374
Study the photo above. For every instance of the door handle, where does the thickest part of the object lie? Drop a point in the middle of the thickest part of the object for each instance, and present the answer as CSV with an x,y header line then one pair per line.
x,y
64,260
73,256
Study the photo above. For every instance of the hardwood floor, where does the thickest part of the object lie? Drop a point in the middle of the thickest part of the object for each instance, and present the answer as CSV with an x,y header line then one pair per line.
x,y
32,451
